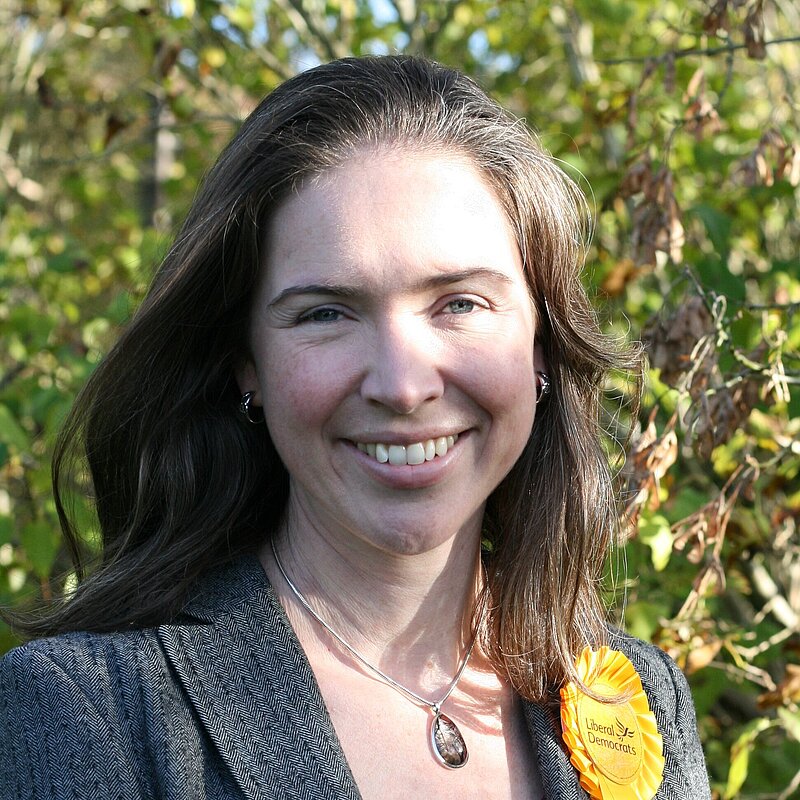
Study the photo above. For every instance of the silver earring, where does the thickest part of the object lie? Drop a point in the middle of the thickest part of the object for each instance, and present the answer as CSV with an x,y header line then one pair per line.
x,y
244,408
543,385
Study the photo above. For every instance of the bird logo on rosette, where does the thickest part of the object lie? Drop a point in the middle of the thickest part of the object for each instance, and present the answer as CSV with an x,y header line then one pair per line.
x,y
623,731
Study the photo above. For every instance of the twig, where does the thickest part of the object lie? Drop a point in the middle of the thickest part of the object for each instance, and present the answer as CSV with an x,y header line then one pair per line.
x,y
691,51
769,591
754,675
751,652
11,375
767,306
307,23
406,14
431,36
269,59
791,788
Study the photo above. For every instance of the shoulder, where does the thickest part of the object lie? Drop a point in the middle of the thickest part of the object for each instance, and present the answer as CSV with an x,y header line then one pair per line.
x,y
45,668
670,700
660,675
70,710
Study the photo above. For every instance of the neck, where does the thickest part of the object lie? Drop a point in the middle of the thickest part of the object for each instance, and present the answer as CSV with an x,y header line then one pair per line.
x,y
408,614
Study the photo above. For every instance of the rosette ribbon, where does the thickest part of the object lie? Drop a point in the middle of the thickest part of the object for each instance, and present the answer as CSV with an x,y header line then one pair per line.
x,y
614,745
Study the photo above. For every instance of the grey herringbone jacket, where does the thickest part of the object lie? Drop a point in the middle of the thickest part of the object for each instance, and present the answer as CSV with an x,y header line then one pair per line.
x,y
222,704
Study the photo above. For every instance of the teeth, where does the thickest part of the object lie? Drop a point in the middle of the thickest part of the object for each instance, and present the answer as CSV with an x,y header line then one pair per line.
x,y
417,453
397,455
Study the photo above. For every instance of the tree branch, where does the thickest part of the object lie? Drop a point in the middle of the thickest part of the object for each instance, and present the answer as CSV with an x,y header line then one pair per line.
x,y
691,51
312,27
432,35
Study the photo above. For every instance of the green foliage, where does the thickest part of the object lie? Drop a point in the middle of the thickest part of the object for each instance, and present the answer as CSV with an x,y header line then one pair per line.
x,y
683,116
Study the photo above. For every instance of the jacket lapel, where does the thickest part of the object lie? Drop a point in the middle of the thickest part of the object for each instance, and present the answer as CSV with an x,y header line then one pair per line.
x,y
559,778
248,680
253,690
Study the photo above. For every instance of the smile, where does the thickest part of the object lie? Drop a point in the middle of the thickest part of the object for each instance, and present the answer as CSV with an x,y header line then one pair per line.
x,y
417,453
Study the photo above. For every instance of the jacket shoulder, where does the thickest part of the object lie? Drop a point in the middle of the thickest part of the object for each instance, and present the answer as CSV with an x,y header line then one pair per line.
x,y
670,700
659,673
70,710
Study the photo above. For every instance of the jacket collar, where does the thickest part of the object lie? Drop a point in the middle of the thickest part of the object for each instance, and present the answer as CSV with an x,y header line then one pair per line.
x,y
253,690
251,685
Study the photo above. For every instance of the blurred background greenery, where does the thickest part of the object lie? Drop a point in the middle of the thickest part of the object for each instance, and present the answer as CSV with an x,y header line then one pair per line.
x,y
682,115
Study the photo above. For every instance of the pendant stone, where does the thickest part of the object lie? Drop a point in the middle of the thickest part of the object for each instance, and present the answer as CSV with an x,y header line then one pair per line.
x,y
448,744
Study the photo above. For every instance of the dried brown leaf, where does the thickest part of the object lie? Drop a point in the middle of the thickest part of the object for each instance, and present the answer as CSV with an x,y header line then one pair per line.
x,y
44,91
618,277
753,29
717,18
669,72
701,653
789,165
649,460
695,86
774,139
638,177
166,57
114,125
701,118
671,341
709,579
756,169
715,418
787,691
656,221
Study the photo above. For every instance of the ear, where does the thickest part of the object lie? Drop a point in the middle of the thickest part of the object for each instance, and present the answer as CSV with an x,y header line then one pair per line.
x,y
247,380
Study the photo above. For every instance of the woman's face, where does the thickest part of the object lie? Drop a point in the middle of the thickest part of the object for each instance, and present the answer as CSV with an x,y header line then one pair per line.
x,y
393,313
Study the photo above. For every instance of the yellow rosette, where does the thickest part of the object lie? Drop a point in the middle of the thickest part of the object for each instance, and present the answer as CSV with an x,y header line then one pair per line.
x,y
615,746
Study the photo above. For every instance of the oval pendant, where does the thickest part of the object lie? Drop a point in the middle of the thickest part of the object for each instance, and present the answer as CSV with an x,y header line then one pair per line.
x,y
447,742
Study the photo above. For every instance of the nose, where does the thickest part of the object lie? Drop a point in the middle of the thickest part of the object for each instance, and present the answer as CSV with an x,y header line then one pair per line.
x,y
404,369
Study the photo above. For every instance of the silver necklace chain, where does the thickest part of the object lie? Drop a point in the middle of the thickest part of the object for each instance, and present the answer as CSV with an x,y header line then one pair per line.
x,y
435,706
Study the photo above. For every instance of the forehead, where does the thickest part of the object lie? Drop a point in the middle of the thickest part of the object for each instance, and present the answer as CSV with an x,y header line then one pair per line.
x,y
384,215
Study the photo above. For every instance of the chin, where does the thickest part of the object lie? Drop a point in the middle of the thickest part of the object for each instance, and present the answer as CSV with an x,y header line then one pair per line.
x,y
411,542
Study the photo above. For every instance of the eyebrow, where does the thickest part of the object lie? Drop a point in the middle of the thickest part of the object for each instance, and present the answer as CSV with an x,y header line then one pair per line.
x,y
433,282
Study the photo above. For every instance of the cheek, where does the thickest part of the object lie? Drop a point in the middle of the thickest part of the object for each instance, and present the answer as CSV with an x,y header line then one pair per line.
x,y
300,391
515,386
515,418
504,373
504,387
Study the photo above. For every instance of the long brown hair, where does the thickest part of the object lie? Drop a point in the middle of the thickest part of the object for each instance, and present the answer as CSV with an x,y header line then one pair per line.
x,y
182,482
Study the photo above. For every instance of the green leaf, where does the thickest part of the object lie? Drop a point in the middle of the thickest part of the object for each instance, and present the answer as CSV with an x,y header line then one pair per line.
x,y
655,531
791,722
6,529
740,756
718,227
642,618
40,542
10,430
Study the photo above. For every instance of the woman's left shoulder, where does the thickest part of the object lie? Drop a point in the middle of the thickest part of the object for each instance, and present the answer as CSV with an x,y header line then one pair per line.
x,y
659,673
670,700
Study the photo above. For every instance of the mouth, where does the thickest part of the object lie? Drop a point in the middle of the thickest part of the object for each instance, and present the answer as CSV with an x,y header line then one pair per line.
x,y
415,453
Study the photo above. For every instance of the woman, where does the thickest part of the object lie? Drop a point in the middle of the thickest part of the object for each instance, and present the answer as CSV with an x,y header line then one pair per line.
x,y
367,353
